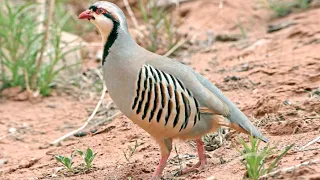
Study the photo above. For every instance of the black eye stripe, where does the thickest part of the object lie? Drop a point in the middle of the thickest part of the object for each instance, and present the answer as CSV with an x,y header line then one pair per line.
x,y
106,14
94,8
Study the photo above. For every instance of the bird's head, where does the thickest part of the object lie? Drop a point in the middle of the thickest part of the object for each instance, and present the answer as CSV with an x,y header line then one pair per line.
x,y
112,24
106,16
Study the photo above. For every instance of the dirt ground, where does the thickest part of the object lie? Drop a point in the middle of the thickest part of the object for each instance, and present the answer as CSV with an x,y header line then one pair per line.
x,y
273,77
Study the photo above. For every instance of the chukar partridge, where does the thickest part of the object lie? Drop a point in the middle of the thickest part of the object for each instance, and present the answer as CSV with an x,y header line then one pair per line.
x,y
164,97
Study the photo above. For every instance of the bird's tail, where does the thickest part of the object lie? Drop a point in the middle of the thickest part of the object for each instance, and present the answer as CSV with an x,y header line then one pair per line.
x,y
240,122
237,119
246,128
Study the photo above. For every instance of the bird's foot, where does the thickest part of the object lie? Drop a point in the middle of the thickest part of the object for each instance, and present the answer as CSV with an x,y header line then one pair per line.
x,y
197,167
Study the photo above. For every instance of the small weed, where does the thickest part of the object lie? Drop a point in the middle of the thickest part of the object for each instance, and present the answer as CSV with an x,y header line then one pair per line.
x,y
130,151
314,93
255,159
280,7
283,8
66,161
303,4
88,157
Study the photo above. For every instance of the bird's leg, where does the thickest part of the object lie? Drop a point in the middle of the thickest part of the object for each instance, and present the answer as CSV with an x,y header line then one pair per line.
x,y
165,149
202,158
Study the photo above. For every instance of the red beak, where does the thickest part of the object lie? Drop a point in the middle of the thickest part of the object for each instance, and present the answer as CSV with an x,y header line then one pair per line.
x,y
86,15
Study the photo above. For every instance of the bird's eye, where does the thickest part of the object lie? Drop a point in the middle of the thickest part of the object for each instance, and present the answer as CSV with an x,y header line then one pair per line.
x,y
100,11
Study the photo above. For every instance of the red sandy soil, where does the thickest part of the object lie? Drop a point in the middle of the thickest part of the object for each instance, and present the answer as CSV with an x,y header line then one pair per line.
x,y
270,76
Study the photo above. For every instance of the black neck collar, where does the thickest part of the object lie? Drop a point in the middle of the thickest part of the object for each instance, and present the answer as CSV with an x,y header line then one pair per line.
x,y
111,38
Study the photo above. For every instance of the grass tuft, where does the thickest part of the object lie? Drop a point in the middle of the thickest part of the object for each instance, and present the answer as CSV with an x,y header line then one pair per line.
x,y
255,159
21,44
282,8
130,151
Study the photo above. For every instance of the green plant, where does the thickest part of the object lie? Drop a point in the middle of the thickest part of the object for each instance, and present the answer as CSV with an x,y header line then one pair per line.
x,y
66,161
280,7
21,42
303,4
131,151
49,69
283,8
87,156
255,160
161,34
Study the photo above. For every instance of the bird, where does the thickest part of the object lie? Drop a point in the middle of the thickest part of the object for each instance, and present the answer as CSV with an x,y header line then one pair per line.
x,y
166,98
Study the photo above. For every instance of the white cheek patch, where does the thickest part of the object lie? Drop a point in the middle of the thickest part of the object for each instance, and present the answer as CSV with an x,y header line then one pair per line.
x,y
104,24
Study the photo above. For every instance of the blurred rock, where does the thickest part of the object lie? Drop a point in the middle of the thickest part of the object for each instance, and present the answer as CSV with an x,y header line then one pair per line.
x,y
211,178
315,3
287,102
44,146
11,92
23,96
278,27
228,37
12,130
99,55
74,46
231,78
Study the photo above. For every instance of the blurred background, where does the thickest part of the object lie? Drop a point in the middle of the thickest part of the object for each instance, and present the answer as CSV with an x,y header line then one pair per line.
x,y
263,54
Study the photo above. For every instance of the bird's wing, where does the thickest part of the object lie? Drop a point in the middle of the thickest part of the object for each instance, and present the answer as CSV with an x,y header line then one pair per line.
x,y
209,96
186,75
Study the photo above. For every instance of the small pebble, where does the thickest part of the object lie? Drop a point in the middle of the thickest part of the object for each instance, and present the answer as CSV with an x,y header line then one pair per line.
x,y
12,130
3,162
287,102
80,134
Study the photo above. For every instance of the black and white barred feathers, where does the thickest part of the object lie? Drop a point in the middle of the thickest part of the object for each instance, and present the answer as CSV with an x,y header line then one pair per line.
x,y
162,97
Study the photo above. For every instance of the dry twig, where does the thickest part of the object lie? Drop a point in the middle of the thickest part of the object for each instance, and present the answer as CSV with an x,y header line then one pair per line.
x,y
174,48
44,42
89,119
86,123
311,142
5,136
133,18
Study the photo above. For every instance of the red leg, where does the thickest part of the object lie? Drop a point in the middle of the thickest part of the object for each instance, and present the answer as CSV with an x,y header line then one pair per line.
x,y
202,158
165,148
162,164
